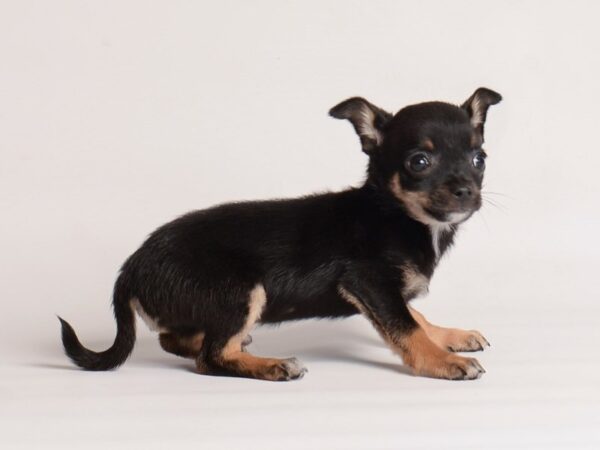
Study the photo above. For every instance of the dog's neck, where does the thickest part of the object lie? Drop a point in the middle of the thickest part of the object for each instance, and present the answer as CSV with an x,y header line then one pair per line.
x,y
441,234
441,238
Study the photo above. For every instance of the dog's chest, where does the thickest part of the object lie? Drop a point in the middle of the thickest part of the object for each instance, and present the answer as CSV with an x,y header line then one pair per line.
x,y
415,283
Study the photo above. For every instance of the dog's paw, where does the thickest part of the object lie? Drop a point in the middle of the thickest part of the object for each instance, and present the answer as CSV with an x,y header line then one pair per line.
x,y
456,340
461,368
287,369
452,367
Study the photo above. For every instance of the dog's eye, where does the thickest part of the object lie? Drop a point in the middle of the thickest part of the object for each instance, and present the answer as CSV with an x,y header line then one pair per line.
x,y
418,162
479,160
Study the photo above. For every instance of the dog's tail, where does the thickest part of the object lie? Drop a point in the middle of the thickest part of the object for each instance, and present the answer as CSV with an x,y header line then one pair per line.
x,y
121,348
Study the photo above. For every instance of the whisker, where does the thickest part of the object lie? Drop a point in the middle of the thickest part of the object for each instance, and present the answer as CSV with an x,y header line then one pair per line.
x,y
492,201
495,200
483,220
497,193
499,207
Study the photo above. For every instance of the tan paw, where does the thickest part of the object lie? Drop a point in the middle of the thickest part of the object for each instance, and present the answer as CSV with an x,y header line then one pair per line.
x,y
285,370
451,367
456,340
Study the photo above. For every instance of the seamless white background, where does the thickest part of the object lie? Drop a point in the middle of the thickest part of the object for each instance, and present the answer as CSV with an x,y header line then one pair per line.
x,y
117,116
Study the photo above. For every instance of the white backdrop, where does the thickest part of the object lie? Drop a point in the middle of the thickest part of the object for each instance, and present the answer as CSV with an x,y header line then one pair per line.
x,y
117,116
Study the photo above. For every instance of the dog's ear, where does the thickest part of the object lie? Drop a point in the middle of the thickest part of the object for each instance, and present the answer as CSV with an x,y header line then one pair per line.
x,y
368,120
478,104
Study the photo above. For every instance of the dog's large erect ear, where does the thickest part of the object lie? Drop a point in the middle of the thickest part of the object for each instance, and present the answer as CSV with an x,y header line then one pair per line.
x,y
478,104
368,120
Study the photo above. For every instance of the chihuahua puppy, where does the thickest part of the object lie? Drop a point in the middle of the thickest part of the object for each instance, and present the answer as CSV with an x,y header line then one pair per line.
x,y
204,280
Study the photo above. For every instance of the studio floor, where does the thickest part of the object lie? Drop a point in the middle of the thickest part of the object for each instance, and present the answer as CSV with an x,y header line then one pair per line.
x,y
541,389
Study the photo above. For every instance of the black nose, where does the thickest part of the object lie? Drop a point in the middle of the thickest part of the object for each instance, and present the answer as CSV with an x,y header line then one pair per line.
x,y
463,193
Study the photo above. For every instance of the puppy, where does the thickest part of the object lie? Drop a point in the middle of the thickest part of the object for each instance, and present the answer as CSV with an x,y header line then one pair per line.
x,y
204,280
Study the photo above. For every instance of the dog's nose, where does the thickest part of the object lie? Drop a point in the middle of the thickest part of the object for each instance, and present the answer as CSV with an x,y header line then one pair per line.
x,y
463,193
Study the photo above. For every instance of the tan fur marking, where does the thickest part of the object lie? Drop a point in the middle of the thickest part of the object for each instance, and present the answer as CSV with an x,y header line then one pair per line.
x,y
415,202
427,144
258,299
186,347
425,358
150,322
235,359
477,114
353,301
194,342
366,126
453,339
271,369
415,283
419,352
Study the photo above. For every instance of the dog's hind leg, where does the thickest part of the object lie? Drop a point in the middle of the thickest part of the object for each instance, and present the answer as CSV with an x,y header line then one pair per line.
x,y
223,351
452,339
186,345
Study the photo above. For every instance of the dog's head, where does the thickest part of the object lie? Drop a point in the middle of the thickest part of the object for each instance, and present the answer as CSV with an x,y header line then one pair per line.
x,y
429,156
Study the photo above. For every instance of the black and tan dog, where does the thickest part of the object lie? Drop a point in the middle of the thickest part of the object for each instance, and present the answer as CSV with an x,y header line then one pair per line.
x,y
205,279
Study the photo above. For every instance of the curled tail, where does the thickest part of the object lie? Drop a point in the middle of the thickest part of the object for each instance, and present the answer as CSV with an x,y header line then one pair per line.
x,y
116,354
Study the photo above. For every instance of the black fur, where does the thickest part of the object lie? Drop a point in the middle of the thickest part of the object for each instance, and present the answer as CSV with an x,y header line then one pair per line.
x,y
124,341
195,274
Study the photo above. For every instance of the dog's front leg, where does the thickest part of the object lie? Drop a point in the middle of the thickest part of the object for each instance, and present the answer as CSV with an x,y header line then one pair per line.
x,y
377,299
452,339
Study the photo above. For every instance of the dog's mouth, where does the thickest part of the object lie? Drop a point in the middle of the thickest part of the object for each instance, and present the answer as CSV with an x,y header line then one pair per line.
x,y
429,214
447,208
451,217
437,207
